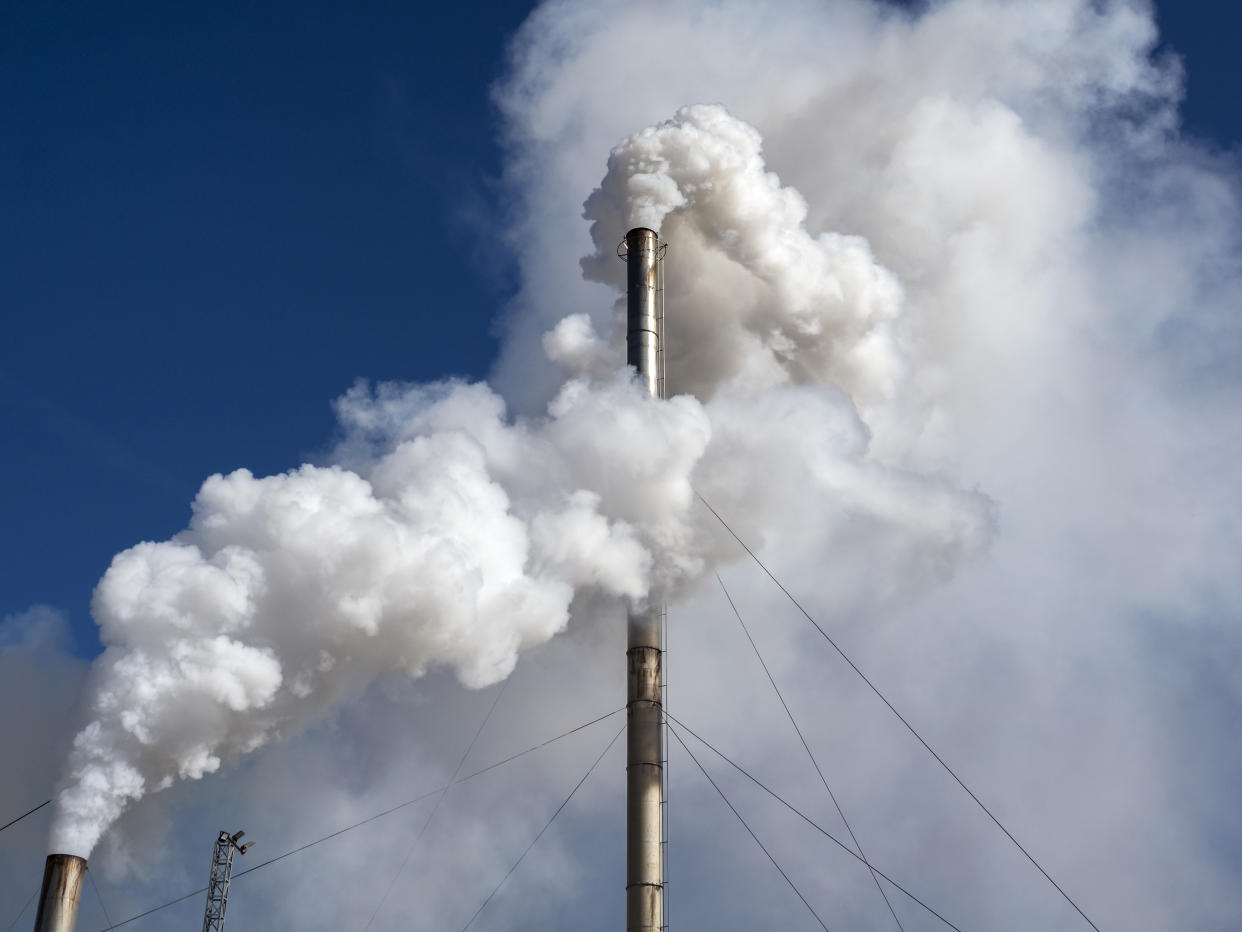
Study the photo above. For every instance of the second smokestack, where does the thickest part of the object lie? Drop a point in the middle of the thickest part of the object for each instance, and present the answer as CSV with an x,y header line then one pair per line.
x,y
61,893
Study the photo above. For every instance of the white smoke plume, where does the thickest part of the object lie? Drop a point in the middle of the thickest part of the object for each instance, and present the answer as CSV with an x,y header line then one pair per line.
x,y
802,308
452,534
1068,339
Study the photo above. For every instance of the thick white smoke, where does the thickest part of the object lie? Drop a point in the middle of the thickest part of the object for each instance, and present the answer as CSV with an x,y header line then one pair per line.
x,y
800,308
454,535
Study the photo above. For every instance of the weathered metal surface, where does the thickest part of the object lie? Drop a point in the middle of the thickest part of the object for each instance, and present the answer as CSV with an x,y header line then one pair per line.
x,y
220,878
61,893
642,333
644,779
644,883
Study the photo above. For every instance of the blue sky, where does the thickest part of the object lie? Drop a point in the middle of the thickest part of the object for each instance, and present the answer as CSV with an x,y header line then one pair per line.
x,y
215,220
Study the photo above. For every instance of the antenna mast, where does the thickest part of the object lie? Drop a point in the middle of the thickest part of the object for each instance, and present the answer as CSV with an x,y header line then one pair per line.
x,y
221,877
644,881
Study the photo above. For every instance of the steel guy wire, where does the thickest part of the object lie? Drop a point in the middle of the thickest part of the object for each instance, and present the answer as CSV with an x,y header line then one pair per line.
x,y
95,887
13,924
378,815
901,718
799,813
439,799
750,831
809,753
24,814
577,787
156,909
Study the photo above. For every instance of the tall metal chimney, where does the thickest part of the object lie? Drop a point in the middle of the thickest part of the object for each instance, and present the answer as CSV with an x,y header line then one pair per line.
x,y
62,889
644,880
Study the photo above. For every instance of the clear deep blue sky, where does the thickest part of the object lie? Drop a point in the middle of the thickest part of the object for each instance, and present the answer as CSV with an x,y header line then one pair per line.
x,y
215,217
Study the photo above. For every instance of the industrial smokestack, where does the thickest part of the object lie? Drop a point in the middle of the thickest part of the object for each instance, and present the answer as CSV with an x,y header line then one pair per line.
x,y
642,298
62,889
644,882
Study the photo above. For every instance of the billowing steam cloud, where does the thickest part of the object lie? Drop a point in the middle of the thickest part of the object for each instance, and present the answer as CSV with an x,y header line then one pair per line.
x,y
454,534
804,309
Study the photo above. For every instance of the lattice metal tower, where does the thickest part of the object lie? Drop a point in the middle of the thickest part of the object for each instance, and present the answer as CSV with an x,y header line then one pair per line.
x,y
221,875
